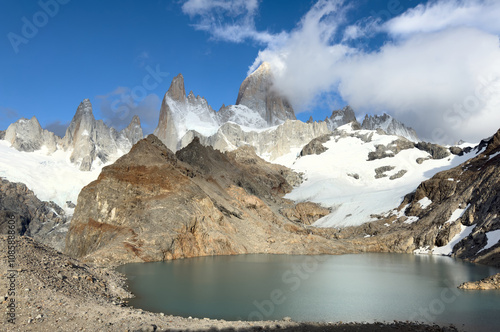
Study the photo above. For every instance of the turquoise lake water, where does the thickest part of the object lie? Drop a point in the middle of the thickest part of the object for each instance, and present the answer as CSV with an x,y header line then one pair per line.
x,y
348,288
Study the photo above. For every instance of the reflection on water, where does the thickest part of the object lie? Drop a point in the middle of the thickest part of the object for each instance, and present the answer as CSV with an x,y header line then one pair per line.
x,y
367,287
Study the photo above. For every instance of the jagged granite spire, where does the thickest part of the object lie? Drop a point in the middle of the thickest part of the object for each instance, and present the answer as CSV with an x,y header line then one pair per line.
x,y
179,113
257,93
133,132
93,140
340,117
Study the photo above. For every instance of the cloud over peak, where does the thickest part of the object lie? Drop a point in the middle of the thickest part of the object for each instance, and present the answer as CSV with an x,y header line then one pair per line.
x,y
438,68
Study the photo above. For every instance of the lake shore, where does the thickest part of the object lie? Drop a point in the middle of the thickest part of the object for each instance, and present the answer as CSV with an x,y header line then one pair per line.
x,y
50,291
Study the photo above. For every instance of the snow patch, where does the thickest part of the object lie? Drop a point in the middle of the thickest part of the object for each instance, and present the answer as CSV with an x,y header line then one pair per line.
x,y
424,203
51,177
448,249
458,213
493,238
411,220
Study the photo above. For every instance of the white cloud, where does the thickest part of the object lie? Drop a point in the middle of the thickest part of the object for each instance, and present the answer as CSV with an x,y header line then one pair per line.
x,y
439,15
427,79
435,59
427,76
228,20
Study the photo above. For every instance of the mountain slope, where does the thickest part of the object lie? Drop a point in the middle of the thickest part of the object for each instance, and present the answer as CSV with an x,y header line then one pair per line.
x,y
155,205
362,173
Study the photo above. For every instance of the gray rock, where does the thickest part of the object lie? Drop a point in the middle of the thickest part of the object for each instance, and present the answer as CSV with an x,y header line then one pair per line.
x,y
92,140
257,93
390,125
27,135
340,118
46,222
175,109
315,146
273,142
380,172
436,151
354,175
398,175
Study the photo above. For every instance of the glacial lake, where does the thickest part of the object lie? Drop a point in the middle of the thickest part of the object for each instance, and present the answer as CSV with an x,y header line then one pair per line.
x,y
347,288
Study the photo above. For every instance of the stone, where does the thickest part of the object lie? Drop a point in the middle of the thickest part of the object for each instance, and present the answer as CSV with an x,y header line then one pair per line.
x,y
315,146
27,135
390,126
257,93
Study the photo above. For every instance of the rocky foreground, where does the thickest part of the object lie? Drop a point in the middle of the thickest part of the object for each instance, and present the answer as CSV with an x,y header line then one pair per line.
x,y
54,292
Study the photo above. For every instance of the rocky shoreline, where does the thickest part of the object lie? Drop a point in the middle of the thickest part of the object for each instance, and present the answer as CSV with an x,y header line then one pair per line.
x,y
54,292
489,283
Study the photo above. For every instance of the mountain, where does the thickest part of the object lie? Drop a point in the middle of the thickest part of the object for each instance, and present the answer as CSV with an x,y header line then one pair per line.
x,y
86,139
340,118
270,143
454,213
152,205
360,174
389,125
257,93
28,136
179,114
261,118
91,140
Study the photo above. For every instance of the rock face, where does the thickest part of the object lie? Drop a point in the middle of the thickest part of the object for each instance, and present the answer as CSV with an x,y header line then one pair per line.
x,y
45,222
179,113
257,93
153,205
28,135
340,118
272,143
390,126
92,140
258,107
87,139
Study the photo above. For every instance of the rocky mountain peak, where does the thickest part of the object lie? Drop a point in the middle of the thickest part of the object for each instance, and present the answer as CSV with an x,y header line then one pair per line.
x,y
389,125
257,93
340,117
176,90
133,132
27,135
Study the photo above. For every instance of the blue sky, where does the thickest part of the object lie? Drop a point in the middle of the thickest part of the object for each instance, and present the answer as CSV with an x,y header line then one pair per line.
x,y
421,61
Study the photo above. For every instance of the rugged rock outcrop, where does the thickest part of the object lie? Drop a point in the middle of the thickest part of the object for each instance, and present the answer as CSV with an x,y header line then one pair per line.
x,y
257,93
45,222
92,140
436,151
272,142
389,125
340,118
27,135
316,146
152,205
306,212
492,282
